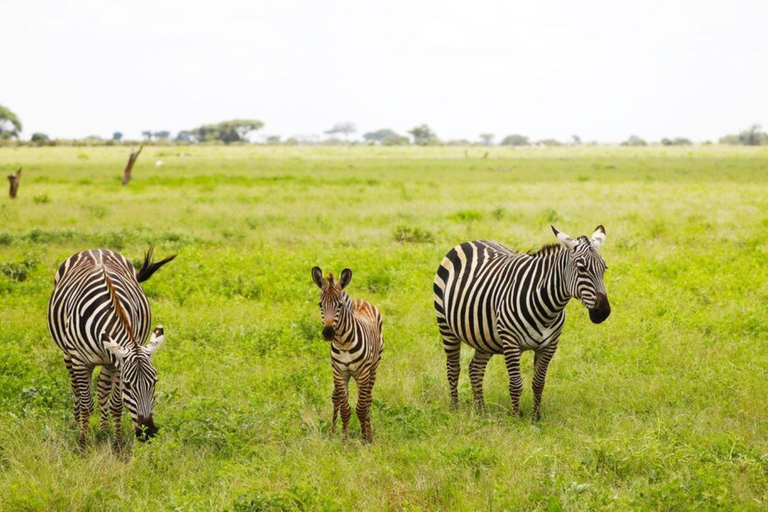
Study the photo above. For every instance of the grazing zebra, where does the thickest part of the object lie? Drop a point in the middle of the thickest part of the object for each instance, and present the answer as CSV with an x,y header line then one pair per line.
x,y
498,301
354,329
98,315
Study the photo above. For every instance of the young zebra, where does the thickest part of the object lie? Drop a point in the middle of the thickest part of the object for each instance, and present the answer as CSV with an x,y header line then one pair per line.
x,y
98,315
354,330
498,301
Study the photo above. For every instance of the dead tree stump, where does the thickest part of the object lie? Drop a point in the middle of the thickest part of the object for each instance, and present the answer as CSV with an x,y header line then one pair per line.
x,y
14,179
129,166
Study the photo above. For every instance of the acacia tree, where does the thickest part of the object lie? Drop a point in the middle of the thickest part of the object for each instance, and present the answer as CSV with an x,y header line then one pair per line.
x,y
423,135
236,130
380,135
10,126
515,140
487,139
346,128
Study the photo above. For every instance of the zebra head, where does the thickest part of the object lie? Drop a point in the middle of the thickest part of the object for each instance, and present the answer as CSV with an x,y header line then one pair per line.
x,y
137,380
584,272
332,298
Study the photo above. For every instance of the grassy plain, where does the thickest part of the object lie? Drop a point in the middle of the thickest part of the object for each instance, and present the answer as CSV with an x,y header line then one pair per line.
x,y
662,407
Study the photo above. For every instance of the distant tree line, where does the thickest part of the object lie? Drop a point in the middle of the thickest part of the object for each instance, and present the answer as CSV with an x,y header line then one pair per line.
x,y
239,130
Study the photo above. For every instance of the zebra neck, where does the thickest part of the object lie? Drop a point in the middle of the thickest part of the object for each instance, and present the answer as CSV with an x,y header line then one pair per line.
x,y
554,287
345,327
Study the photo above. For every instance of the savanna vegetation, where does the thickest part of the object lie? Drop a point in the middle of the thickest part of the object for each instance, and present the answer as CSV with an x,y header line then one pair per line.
x,y
662,407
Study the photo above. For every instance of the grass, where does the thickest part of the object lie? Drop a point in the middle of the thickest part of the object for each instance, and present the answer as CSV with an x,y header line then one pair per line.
x,y
662,407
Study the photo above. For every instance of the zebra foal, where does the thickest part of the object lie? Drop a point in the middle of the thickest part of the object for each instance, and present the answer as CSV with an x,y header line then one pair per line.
x,y
354,330
498,301
98,315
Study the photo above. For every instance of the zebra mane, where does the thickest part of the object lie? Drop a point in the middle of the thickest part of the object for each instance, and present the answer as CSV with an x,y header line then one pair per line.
x,y
121,315
546,250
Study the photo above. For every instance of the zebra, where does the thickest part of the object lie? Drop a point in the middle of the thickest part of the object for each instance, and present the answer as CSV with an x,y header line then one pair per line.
x,y
354,329
98,315
499,301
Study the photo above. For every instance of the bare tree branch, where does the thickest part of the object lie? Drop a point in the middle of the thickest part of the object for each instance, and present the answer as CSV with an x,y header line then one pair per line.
x,y
129,167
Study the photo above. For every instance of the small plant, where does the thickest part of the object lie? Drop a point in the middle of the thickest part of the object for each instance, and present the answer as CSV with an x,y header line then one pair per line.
x,y
466,216
18,270
413,235
41,199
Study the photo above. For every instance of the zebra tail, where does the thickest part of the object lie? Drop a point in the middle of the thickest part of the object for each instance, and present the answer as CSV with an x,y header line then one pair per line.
x,y
149,267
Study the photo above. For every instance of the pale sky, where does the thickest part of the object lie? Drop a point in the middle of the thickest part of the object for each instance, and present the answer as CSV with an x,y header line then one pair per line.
x,y
601,69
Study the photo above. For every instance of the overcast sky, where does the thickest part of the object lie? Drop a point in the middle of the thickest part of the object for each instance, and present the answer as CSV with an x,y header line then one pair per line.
x,y
601,69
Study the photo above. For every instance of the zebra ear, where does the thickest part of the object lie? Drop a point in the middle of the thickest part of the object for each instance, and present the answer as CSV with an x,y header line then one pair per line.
x,y
346,277
157,339
116,350
598,237
317,276
567,241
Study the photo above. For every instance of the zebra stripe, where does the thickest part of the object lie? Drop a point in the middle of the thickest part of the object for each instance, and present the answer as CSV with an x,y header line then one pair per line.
x,y
98,315
354,330
498,301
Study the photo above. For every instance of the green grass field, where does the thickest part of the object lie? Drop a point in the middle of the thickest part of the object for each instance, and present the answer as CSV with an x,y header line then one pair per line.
x,y
662,407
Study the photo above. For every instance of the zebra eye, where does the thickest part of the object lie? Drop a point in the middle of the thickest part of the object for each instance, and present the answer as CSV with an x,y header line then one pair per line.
x,y
127,386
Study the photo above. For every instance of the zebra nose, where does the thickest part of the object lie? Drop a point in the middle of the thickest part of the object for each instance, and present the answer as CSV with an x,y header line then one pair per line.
x,y
328,332
602,309
145,428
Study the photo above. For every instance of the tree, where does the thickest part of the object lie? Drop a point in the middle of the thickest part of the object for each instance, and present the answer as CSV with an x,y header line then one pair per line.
x,y
236,130
576,140
677,141
183,136
487,139
162,135
117,136
147,135
10,126
273,139
515,140
39,138
380,135
634,140
424,136
345,128
752,136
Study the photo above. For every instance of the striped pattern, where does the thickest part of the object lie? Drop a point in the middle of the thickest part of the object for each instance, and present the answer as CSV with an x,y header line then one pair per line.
x,y
354,330
498,301
98,315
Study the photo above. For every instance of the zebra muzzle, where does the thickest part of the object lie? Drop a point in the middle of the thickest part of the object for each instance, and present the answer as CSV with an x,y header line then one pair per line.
x,y
328,332
602,309
145,429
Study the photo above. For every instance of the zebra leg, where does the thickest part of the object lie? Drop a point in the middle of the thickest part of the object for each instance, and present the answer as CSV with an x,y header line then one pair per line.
x,y
452,347
346,412
476,374
75,399
81,383
540,364
363,409
103,388
336,397
512,359
116,408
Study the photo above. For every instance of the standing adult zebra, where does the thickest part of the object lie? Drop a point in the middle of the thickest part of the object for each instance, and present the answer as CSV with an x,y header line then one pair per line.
x,y
98,315
354,330
498,301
